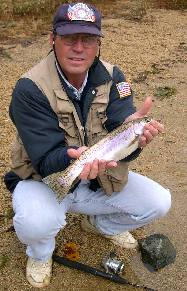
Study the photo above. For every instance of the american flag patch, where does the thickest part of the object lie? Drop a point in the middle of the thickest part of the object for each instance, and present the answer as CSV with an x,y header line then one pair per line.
x,y
124,89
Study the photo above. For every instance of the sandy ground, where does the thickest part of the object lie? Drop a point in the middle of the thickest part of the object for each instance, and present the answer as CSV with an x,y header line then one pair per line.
x,y
152,53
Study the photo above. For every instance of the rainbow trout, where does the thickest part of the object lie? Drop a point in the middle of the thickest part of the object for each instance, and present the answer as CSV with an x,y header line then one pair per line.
x,y
116,145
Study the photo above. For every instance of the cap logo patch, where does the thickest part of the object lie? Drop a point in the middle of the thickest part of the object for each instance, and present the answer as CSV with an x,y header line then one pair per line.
x,y
124,89
80,11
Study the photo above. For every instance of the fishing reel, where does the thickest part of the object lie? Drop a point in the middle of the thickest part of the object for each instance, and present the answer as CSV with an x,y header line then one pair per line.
x,y
112,265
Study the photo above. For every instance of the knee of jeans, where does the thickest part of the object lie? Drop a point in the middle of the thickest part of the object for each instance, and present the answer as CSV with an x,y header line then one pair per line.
x,y
163,203
31,227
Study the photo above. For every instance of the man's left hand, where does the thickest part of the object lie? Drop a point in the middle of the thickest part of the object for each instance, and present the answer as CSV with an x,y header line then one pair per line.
x,y
152,128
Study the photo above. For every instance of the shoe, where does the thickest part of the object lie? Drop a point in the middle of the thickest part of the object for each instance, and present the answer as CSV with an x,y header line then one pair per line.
x,y
39,273
124,239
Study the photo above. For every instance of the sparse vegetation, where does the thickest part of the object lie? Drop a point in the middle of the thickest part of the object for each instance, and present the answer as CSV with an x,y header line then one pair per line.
x,y
164,92
171,4
3,260
38,8
4,53
30,18
142,76
10,9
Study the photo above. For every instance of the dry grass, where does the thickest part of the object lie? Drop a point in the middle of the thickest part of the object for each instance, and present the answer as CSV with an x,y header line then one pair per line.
x,y
10,9
171,4
30,18
38,8
20,20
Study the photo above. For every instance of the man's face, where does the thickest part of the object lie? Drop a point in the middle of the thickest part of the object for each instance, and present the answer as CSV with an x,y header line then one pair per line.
x,y
76,52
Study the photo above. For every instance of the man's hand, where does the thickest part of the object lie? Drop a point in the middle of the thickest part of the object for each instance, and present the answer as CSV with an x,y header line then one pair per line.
x,y
151,129
91,170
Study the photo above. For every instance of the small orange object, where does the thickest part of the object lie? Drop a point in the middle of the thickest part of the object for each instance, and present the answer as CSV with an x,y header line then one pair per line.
x,y
71,251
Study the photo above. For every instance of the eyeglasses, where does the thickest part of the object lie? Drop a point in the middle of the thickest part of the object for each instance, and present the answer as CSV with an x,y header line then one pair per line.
x,y
87,40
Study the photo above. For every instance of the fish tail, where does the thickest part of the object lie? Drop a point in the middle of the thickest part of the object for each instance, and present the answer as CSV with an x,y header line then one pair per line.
x,y
66,181
58,185
65,186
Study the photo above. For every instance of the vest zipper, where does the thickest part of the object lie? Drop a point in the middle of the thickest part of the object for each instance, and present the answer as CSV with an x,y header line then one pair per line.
x,y
83,130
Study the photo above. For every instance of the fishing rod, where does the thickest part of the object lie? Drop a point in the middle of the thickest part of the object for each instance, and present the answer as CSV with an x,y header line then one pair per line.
x,y
91,270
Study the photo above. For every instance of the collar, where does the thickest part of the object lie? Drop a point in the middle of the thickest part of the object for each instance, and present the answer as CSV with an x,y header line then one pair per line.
x,y
98,74
77,92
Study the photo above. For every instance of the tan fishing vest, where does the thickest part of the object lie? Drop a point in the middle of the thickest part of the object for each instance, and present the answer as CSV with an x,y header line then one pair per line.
x,y
45,76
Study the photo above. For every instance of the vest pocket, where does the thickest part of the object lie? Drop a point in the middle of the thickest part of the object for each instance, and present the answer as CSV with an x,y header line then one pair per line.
x,y
18,153
69,126
21,164
114,179
97,120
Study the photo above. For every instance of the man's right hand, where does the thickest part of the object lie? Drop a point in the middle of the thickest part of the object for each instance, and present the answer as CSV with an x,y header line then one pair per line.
x,y
93,169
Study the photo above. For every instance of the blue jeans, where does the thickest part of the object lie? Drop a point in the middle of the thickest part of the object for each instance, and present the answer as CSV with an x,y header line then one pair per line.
x,y
39,217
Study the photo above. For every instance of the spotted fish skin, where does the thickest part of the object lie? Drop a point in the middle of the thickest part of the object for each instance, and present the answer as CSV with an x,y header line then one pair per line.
x,y
116,145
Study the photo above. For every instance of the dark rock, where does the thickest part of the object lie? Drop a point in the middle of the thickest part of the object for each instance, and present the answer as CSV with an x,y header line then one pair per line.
x,y
157,251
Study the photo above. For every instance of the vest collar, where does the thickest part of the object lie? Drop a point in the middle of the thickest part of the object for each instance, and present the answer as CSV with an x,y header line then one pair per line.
x,y
98,74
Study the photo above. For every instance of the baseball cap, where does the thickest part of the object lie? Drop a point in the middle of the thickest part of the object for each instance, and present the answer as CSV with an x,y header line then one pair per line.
x,y
77,18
